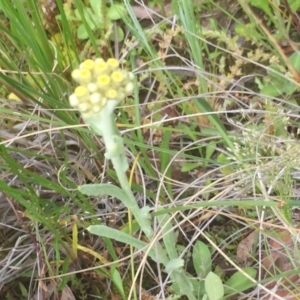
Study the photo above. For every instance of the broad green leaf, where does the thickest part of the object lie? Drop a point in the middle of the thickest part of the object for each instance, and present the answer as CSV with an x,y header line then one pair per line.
x,y
183,283
294,5
169,235
96,7
82,33
198,285
116,12
120,35
247,30
24,291
157,254
295,60
91,20
275,89
174,264
77,14
214,287
238,282
201,259
270,90
222,159
210,149
263,5
102,189
186,167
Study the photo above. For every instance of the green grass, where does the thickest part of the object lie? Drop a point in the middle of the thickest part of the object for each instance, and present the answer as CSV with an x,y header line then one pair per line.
x,y
211,134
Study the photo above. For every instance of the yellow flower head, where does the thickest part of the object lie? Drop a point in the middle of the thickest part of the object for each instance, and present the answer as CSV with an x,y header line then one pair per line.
x,y
103,81
100,82
117,76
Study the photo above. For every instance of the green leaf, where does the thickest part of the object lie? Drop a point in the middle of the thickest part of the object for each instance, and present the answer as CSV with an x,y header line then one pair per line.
x,y
238,282
263,5
186,167
117,279
82,33
184,283
201,259
120,35
69,18
116,12
277,84
95,5
214,287
24,291
210,149
279,87
113,191
203,106
294,5
77,14
222,159
91,19
105,231
174,264
271,90
102,189
169,235
295,60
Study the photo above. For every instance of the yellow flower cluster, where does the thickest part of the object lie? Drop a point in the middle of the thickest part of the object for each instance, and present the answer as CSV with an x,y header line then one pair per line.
x,y
99,81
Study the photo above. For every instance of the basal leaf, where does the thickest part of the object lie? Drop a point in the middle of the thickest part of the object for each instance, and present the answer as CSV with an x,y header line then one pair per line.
x,y
238,282
201,259
214,287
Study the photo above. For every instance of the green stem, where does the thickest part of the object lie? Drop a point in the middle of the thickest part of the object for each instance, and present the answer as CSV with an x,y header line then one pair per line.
x,y
104,124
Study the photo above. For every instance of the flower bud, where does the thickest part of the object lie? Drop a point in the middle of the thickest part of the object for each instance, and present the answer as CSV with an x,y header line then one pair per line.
x,y
117,77
95,98
84,107
112,63
129,87
100,68
84,76
92,87
88,64
73,100
103,81
111,94
82,93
